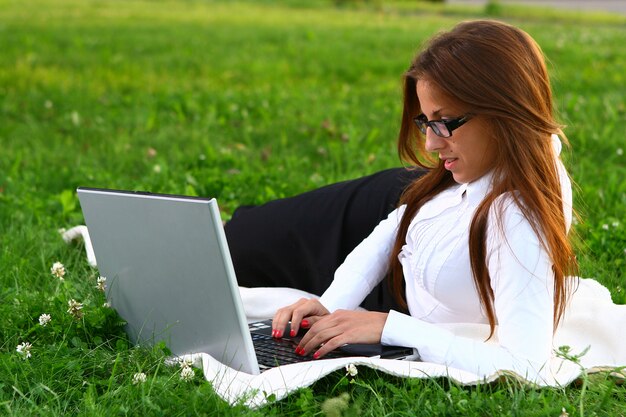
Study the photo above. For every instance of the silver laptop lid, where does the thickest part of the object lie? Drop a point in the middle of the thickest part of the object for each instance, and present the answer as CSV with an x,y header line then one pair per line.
x,y
169,272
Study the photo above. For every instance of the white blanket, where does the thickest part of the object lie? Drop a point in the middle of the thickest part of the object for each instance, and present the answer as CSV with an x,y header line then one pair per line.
x,y
592,322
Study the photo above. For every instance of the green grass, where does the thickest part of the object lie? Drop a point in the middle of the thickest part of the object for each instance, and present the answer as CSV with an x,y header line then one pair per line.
x,y
247,102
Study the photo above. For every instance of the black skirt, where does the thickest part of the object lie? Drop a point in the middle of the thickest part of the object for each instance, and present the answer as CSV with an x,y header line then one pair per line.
x,y
299,242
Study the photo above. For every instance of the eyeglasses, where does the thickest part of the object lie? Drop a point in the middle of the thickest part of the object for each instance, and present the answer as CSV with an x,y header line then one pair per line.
x,y
442,128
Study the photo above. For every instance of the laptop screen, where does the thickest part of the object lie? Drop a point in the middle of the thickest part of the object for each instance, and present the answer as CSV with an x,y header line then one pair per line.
x,y
169,272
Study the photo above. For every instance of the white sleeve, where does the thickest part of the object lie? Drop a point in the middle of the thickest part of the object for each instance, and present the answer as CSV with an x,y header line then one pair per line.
x,y
364,267
522,282
566,193
566,183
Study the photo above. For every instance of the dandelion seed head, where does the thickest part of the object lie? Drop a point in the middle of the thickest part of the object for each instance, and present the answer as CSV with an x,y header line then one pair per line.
x,y
139,378
44,319
605,226
156,169
58,270
75,309
24,350
615,224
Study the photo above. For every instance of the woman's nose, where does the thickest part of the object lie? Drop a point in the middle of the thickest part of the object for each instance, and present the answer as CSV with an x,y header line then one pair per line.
x,y
433,142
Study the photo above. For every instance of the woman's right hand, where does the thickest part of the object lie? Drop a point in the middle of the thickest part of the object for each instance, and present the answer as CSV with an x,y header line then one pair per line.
x,y
309,309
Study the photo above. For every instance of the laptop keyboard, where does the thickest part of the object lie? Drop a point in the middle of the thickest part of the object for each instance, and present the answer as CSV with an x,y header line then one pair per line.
x,y
272,352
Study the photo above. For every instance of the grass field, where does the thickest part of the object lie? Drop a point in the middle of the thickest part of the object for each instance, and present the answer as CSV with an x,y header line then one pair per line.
x,y
246,102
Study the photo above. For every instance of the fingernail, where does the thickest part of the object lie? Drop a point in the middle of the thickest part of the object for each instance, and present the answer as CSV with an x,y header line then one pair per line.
x,y
316,355
274,332
292,333
299,350
304,323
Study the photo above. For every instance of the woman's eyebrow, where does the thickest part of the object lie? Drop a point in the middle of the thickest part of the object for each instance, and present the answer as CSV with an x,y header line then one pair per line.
x,y
437,113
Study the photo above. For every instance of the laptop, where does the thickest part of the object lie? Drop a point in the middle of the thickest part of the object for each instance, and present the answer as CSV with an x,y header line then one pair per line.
x,y
170,277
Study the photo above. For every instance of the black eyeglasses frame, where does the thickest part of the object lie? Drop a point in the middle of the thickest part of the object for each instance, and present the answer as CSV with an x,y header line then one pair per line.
x,y
436,125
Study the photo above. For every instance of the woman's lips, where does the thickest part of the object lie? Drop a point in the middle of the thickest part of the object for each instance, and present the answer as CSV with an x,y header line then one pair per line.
x,y
449,163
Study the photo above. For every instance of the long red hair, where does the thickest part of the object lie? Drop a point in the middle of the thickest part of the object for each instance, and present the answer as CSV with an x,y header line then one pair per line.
x,y
498,71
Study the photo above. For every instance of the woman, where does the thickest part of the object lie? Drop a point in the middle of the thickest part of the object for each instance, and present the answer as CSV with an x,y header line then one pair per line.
x,y
482,236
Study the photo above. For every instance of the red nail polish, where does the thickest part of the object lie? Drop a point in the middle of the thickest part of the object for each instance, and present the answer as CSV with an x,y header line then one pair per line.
x,y
292,333
316,355
304,323
299,351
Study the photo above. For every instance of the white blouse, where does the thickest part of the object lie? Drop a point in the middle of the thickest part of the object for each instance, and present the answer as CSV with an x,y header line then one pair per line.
x,y
440,288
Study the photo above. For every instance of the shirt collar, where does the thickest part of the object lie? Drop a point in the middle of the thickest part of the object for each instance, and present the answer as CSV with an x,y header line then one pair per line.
x,y
478,189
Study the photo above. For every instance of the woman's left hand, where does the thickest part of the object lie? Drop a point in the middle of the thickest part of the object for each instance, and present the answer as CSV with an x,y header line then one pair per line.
x,y
341,327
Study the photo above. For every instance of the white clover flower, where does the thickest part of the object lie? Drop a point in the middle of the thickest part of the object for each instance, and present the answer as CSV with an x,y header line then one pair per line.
x,y
75,116
75,309
106,305
605,226
620,151
351,370
58,270
24,349
185,363
615,224
48,104
139,378
101,283
156,169
44,319
187,374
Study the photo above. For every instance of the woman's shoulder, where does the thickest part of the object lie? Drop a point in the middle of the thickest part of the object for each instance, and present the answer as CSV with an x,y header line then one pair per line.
x,y
508,220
